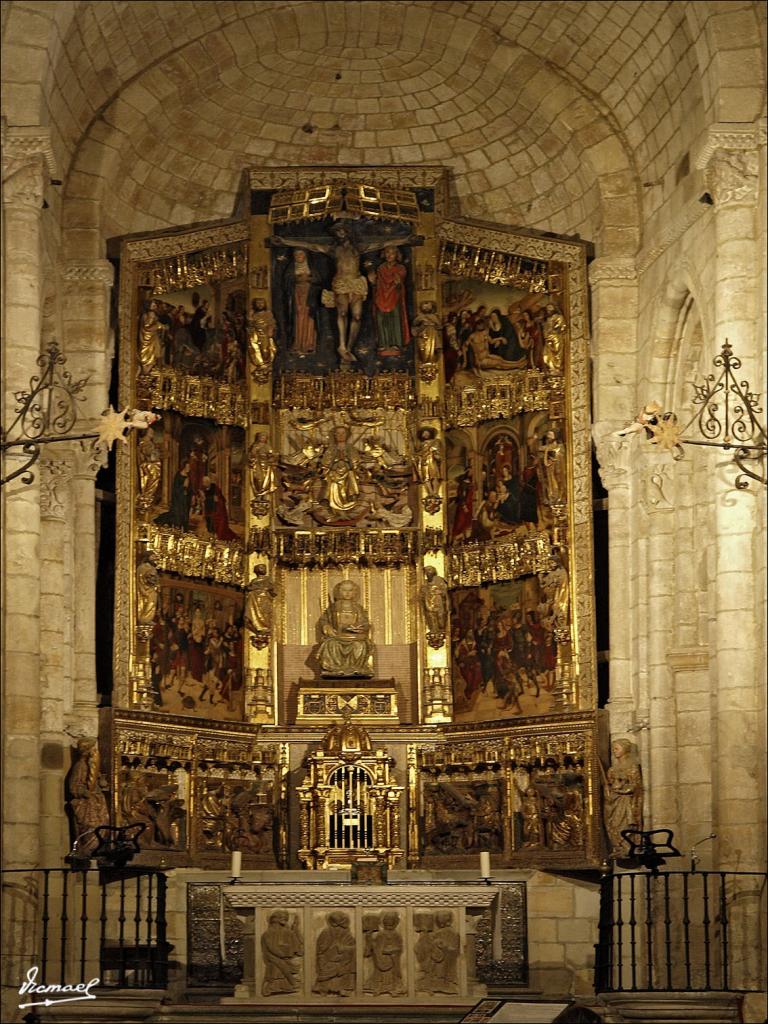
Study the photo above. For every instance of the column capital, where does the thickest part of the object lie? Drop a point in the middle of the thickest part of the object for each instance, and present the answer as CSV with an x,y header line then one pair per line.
x,y
90,458
605,269
97,271
612,457
27,160
656,481
729,157
727,136
56,472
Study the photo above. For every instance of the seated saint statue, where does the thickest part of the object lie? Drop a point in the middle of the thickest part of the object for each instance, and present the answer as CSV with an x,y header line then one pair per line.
x,y
346,648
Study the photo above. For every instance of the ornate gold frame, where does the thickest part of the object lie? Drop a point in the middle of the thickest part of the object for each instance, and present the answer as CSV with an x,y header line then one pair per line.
x,y
143,259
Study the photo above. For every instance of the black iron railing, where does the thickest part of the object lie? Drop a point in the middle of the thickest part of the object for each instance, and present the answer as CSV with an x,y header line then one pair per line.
x,y
681,931
76,925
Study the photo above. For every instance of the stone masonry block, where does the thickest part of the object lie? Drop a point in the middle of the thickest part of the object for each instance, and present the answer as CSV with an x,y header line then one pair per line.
x,y
552,902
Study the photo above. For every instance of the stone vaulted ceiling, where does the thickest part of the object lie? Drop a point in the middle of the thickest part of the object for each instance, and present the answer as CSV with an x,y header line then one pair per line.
x,y
550,115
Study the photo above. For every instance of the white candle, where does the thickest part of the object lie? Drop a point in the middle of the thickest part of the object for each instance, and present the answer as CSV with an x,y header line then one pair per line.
x,y
485,864
237,861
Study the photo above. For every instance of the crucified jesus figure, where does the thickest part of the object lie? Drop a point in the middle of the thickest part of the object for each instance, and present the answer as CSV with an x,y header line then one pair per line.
x,y
349,286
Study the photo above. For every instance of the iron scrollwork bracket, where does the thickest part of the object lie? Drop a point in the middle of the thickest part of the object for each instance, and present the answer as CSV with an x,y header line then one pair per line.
x,y
45,413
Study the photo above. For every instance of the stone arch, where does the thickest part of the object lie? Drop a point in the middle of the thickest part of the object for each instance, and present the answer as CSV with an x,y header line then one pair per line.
x,y
680,306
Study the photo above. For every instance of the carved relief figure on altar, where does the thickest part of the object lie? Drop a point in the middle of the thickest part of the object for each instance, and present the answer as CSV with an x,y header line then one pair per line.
x,y
491,329
196,650
200,486
384,952
281,950
345,469
235,814
339,304
437,952
504,651
463,817
548,801
199,331
345,648
335,957
507,479
156,796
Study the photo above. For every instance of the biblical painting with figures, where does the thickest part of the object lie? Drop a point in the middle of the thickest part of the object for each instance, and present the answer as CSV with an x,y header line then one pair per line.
x,y
190,477
504,650
196,650
342,296
506,478
490,328
199,331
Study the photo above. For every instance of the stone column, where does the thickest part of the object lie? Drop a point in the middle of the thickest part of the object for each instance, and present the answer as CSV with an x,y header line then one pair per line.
x,y
656,512
24,153
24,172
731,162
82,718
86,288
613,291
613,455
56,589
688,657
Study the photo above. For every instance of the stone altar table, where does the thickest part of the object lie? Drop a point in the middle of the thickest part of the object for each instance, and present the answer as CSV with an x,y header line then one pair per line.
x,y
318,942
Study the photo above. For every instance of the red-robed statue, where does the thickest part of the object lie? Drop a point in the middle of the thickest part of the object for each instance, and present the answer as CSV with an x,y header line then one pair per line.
x,y
389,303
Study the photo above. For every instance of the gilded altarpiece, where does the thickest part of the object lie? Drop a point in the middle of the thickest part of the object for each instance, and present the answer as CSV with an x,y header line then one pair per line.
x,y
366,496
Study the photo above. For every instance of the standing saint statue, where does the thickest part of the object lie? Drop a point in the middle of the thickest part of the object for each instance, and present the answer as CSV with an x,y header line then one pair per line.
x,y
436,606
302,283
426,329
261,462
622,797
551,460
86,799
346,648
261,336
388,280
147,583
150,333
259,610
150,469
554,339
427,461
349,288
